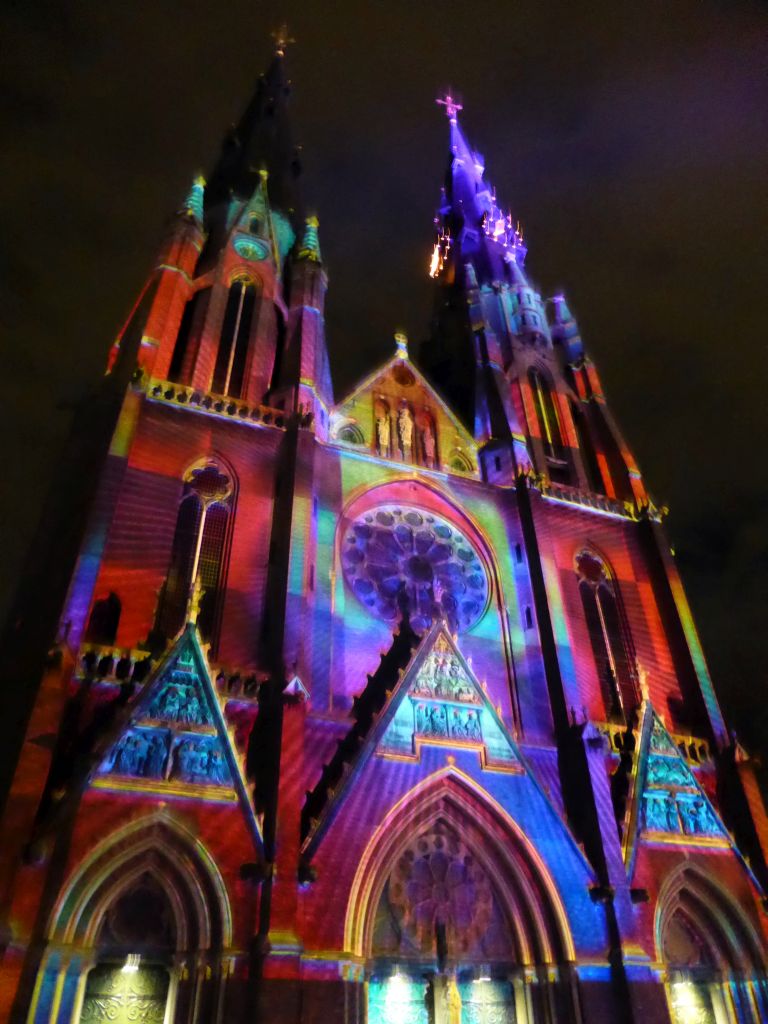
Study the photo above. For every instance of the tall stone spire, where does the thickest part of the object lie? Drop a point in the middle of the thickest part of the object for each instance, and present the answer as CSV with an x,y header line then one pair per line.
x,y
474,249
262,140
480,232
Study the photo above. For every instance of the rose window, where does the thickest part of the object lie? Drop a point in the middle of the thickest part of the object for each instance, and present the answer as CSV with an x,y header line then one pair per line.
x,y
395,553
437,881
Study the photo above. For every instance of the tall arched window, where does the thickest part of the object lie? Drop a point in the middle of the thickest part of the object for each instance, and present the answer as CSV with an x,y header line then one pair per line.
x,y
546,414
229,372
198,549
587,449
609,636
104,620
190,329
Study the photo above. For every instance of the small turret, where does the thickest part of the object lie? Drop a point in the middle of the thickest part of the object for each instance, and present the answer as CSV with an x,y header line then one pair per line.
x,y
310,244
193,204
302,382
565,330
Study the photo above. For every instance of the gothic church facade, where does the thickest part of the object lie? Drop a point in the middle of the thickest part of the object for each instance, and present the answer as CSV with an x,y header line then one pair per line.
x,y
384,708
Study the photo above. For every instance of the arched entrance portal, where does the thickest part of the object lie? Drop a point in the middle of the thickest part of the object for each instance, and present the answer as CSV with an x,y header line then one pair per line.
x,y
145,922
135,955
715,967
457,918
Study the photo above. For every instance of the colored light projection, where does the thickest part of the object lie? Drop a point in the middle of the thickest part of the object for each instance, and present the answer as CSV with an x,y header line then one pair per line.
x,y
172,735
400,999
437,884
398,550
441,702
691,1003
121,995
674,803
397,1000
397,415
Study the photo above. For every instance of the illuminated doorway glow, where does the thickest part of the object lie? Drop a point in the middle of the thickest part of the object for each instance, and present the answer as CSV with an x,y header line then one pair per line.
x,y
123,996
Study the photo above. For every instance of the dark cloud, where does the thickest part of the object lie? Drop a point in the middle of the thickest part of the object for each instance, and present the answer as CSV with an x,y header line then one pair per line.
x,y
630,139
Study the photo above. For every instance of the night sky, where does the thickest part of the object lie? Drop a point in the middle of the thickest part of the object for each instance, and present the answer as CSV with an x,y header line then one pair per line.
x,y
629,139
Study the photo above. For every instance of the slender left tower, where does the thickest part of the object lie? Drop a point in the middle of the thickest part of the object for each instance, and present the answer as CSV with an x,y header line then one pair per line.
x,y
214,388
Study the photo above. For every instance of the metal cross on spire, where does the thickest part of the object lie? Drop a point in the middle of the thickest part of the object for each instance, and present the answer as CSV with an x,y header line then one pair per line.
x,y
452,106
282,39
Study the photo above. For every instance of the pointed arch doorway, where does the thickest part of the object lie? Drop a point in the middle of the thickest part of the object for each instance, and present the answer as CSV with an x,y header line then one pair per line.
x,y
125,986
456,917
714,961
147,927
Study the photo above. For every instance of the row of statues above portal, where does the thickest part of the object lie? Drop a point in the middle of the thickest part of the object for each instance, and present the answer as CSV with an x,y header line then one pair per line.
x,y
442,721
158,754
686,813
399,432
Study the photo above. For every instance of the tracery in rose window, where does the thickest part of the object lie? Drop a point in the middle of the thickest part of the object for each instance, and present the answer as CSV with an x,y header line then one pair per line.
x,y
397,553
438,884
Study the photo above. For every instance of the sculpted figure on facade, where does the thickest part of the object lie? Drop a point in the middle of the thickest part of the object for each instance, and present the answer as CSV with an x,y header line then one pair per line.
x,y
383,428
656,816
405,431
669,771
697,818
426,428
673,818
200,760
179,702
139,753
442,676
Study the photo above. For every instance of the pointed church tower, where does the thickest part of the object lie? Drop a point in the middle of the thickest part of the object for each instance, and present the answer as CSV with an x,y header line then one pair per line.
x,y
511,362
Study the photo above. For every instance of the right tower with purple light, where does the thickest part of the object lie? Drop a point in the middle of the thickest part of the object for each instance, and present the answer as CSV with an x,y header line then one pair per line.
x,y
647,771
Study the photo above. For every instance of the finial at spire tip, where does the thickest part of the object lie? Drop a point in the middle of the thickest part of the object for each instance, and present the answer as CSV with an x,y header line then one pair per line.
x,y
282,38
452,105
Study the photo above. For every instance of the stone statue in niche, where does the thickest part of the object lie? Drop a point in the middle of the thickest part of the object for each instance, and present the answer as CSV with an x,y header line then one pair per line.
x,y
673,818
697,818
426,428
140,752
452,996
383,429
405,431
661,813
422,719
199,759
431,720
464,724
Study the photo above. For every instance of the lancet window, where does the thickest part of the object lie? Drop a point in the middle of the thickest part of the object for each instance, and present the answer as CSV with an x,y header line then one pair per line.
x,y
104,620
229,371
198,551
546,414
190,329
587,449
609,636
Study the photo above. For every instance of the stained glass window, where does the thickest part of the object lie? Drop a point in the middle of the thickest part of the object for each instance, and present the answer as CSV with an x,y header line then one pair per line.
x,y
396,554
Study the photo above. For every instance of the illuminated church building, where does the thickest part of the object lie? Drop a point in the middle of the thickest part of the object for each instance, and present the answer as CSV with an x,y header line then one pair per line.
x,y
387,708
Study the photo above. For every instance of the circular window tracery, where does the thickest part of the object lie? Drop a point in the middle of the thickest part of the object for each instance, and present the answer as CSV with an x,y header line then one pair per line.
x,y
394,549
